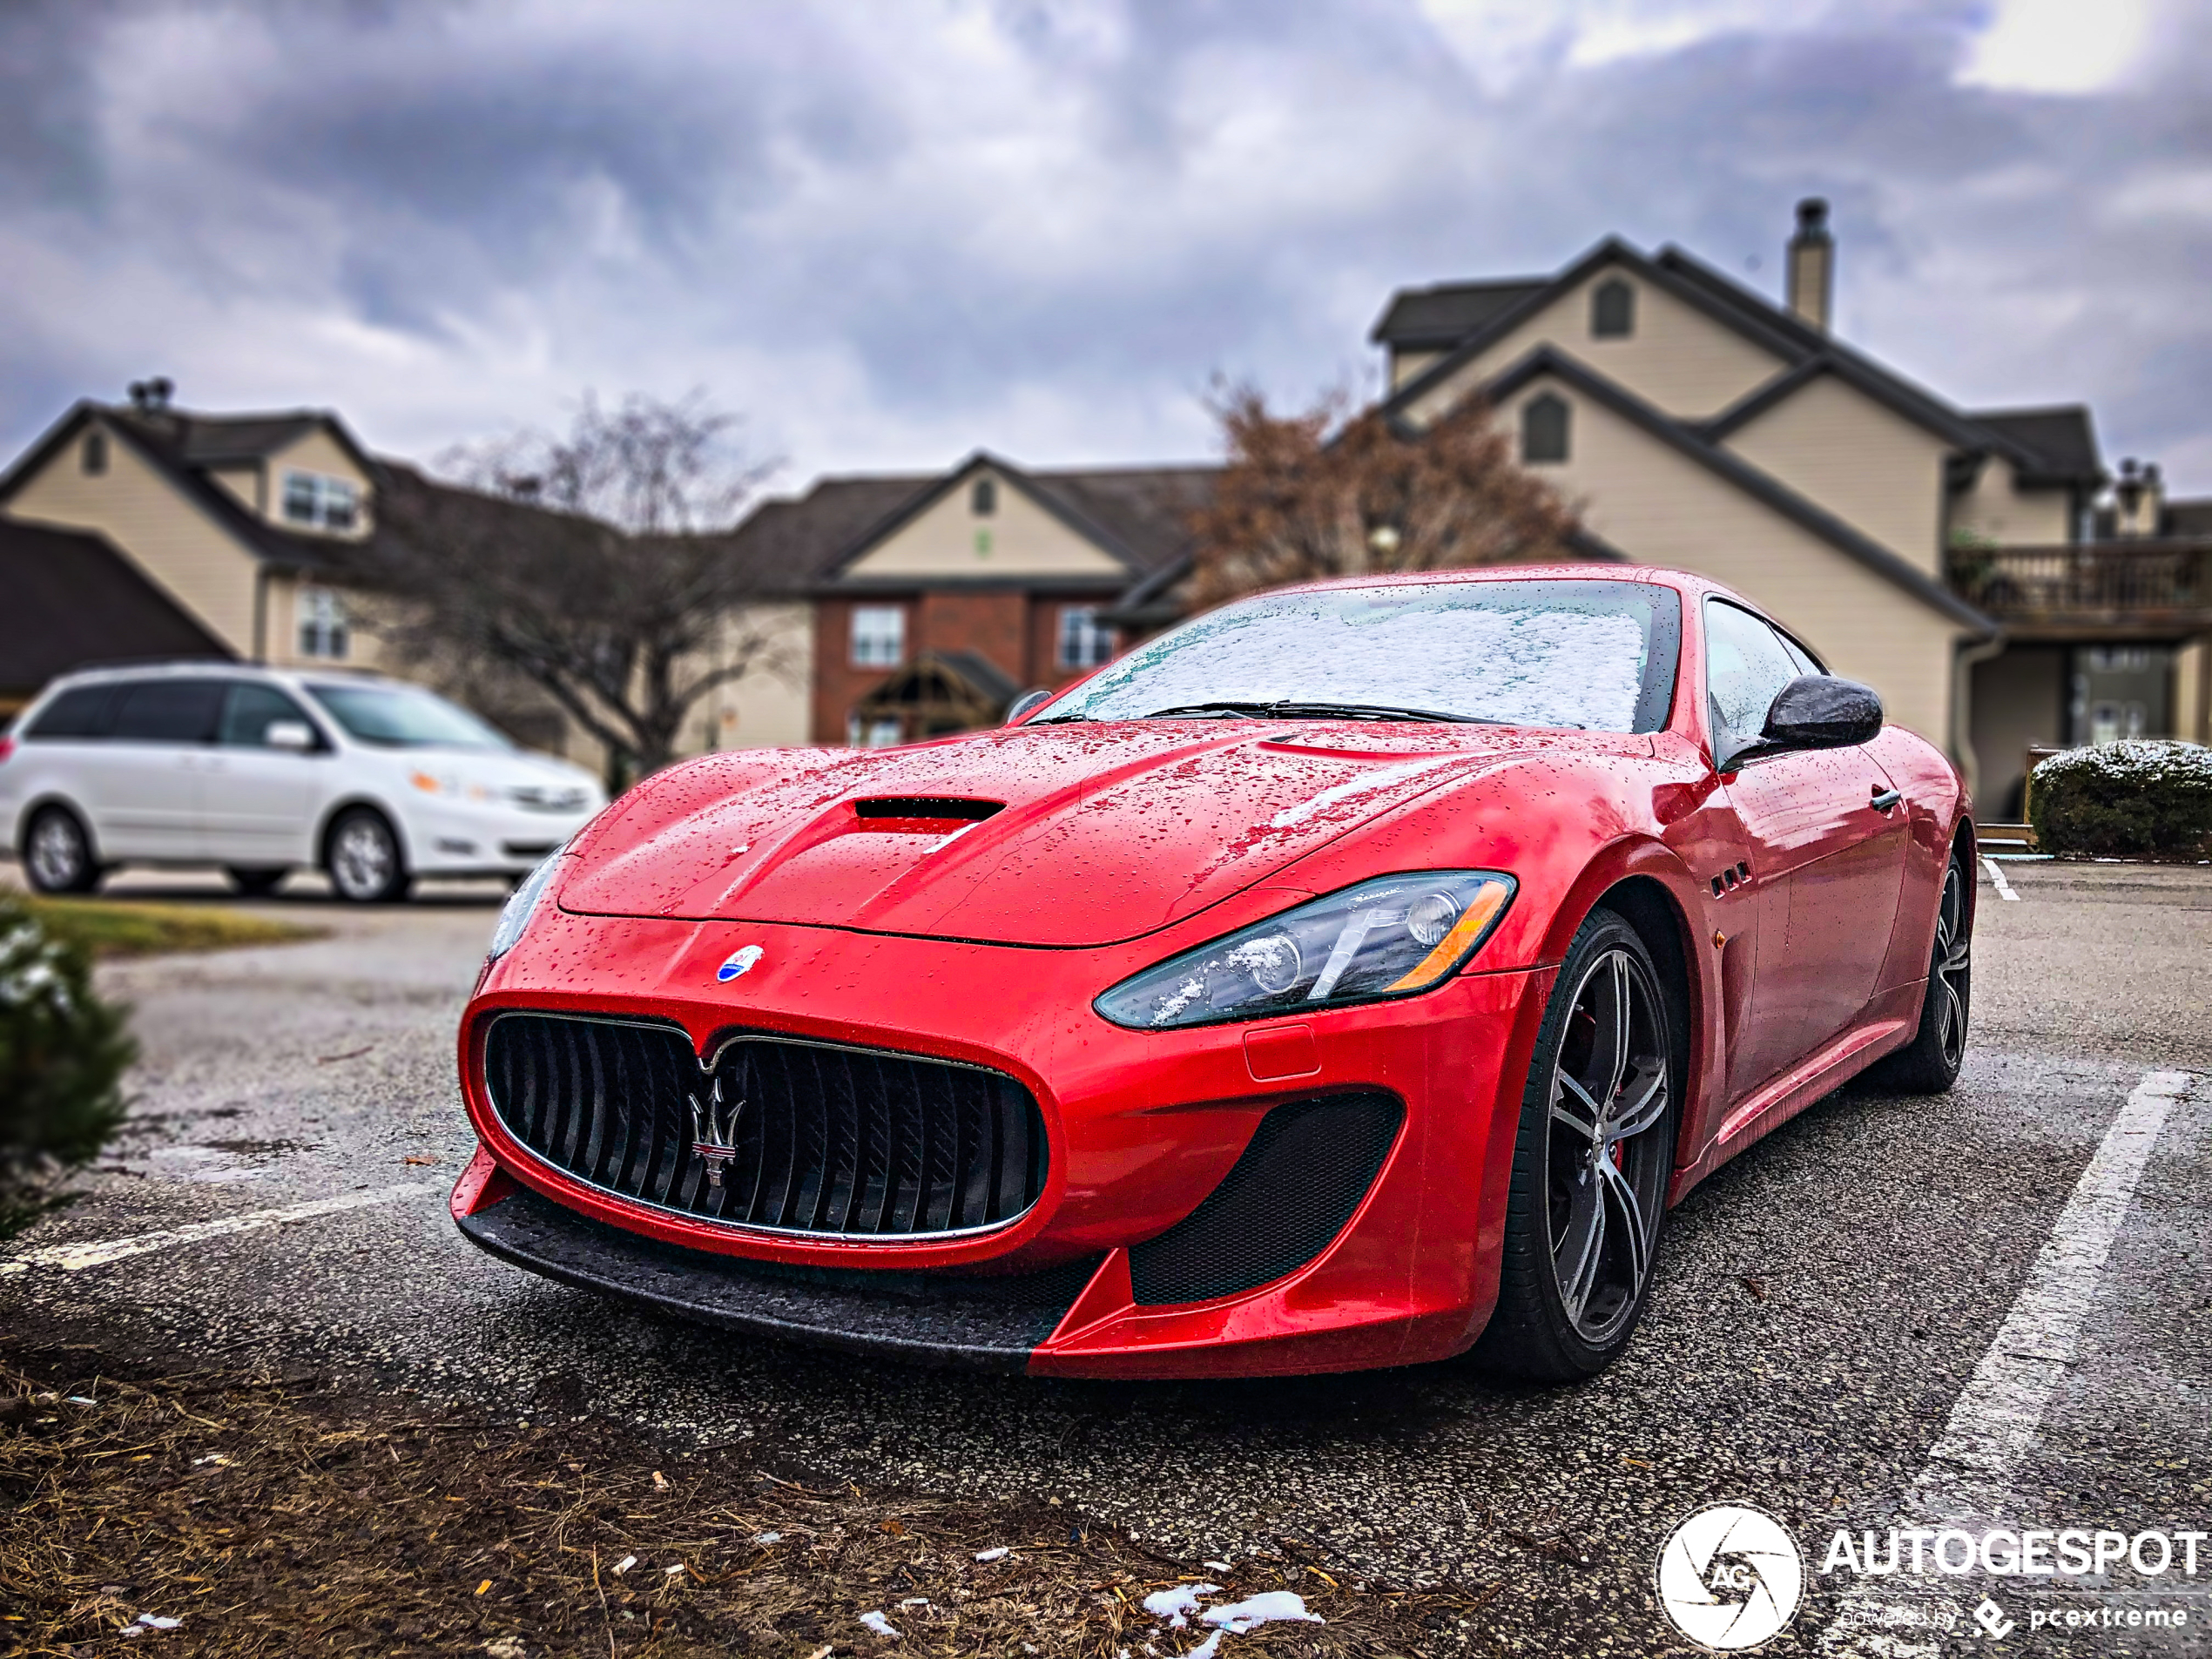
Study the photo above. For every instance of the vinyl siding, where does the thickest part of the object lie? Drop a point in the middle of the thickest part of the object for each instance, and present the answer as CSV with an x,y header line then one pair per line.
x,y
161,530
1996,507
1678,359
318,452
1879,473
1025,541
1660,507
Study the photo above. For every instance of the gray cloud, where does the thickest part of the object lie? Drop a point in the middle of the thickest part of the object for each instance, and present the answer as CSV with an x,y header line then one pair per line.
x,y
893,231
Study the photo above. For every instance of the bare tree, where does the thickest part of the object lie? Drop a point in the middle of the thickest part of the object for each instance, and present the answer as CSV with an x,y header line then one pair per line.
x,y
1315,494
598,566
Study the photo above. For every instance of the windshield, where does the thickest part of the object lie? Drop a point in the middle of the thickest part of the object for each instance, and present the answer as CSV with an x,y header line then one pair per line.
x,y
405,717
1595,654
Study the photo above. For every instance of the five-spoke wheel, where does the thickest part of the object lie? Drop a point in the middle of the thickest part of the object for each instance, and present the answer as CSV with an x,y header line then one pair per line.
x,y
1929,1064
1590,1163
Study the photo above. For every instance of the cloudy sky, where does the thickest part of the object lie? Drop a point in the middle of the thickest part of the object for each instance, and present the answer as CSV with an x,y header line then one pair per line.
x,y
892,231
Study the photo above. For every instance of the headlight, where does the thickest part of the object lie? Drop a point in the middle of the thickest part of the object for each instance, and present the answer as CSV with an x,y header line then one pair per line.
x,y
1393,936
522,904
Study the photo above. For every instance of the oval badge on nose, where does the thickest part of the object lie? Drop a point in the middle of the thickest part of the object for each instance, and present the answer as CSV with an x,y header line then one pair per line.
x,y
741,962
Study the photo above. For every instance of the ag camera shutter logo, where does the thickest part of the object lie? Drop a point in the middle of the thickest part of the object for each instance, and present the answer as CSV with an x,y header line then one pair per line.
x,y
1731,1577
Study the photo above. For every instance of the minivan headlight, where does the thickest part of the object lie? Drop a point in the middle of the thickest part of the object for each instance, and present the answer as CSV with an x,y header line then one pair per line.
x,y
522,904
1396,935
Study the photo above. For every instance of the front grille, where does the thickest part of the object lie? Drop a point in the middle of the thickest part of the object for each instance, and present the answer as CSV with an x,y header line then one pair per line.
x,y
826,1140
1282,1204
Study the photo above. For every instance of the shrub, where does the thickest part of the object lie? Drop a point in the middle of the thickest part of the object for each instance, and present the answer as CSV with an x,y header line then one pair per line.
x,y
2133,799
63,1053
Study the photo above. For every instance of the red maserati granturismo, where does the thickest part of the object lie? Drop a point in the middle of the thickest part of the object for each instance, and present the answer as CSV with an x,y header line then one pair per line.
x,y
1351,976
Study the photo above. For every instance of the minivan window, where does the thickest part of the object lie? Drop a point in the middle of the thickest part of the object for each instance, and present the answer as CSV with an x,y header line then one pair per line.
x,y
405,717
253,709
79,712
167,710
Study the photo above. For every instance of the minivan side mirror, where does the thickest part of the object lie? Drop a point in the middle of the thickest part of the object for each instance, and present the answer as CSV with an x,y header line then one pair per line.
x,y
1821,711
297,736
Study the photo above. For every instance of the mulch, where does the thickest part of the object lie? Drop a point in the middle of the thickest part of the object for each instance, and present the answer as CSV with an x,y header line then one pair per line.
x,y
280,1515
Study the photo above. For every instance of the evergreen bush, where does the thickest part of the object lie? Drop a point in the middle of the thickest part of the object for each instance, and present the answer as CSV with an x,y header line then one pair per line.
x,y
2139,799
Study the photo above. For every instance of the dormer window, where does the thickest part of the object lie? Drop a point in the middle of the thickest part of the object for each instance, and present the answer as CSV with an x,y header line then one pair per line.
x,y
1544,421
1613,310
983,498
314,501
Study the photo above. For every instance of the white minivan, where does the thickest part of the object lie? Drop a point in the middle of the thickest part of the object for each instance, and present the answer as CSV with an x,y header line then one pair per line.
x,y
267,771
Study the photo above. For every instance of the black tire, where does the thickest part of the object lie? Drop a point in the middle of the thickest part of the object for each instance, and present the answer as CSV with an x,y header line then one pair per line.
x,y
258,884
1591,1161
58,855
362,856
1930,1063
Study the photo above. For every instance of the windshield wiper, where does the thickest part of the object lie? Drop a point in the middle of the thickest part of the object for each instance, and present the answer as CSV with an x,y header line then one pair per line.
x,y
1291,709
1057,720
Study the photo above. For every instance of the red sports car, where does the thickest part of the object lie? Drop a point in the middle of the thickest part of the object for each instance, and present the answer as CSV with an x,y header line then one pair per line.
x,y
1353,976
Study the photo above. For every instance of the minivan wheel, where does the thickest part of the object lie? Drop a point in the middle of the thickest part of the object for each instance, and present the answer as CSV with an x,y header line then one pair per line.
x,y
58,854
258,884
364,858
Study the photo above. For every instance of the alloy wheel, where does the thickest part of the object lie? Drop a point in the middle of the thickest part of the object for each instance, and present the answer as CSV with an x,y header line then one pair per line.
x,y
1950,977
363,859
1607,1146
56,854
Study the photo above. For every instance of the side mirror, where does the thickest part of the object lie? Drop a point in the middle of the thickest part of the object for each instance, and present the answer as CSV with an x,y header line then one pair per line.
x,y
1820,711
1023,704
297,736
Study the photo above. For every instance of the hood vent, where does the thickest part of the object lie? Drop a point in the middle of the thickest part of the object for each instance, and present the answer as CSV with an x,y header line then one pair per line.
x,y
930,806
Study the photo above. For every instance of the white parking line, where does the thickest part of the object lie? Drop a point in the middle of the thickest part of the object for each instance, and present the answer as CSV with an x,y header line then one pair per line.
x,y
1996,875
1968,1477
75,1259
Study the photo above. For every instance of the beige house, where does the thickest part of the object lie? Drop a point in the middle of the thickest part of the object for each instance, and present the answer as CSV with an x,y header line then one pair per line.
x,y
253,528
1950,558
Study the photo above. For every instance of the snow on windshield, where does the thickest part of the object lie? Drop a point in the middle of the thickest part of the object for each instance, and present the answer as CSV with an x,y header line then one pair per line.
x,y
1525,653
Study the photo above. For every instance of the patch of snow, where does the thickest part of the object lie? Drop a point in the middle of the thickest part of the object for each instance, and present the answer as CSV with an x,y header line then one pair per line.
x,y
1176,1605
1219,1567
155,1621
915,1600
881,1625
998,1554
1207,1648
767,1538
1266,1607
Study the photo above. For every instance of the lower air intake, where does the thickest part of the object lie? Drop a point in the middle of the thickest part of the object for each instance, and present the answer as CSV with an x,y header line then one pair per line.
x,y
1281,1205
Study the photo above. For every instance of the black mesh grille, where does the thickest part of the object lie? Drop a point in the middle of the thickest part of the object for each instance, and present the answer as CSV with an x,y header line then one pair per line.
x,y
826,1140
1280,1205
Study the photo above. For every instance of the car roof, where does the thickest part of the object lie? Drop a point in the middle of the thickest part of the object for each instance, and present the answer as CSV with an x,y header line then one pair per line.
x,y
210,668
1657,575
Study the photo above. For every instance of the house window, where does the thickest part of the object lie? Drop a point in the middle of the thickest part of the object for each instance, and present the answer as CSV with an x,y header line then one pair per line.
x,y
1613,310
1543,430
878,636
875,731
318,503
322,624
983,498
1084,641
93,457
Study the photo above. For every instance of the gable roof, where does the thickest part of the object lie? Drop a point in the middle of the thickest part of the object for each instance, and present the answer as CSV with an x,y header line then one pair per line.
x,y
1761,486
1447,313
164,442
1137,515
1801,350
73,600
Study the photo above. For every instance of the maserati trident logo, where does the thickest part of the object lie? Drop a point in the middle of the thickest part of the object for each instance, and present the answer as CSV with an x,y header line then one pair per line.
x,y
740,962
714,1133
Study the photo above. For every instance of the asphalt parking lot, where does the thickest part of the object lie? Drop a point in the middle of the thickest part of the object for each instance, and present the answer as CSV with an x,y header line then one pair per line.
x,y
1824,1301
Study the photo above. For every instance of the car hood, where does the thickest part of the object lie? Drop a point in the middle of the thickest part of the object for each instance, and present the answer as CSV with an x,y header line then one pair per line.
x,y
1080,835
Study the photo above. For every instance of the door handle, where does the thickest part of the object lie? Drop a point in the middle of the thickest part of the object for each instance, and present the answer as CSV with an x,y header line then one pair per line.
x,y
1884,799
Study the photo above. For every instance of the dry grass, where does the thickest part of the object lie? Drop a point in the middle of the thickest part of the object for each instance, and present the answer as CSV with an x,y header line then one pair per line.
x,y
109,927
272,1517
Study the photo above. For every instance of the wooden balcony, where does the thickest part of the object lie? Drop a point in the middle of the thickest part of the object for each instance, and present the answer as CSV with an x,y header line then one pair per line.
x,y
2094,588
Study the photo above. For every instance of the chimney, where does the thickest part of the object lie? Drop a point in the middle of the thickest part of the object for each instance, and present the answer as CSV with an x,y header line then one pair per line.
x,y
2138,501
1812,264
151,397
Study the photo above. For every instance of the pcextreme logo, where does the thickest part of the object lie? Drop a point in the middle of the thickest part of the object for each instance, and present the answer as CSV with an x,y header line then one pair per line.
x,y
1731,1577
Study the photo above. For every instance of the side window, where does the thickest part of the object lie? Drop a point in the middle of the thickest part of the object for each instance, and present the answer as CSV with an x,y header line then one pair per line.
x,y
169,712
79,713
1745,664
1801,657
250,712
1544,421
1613,310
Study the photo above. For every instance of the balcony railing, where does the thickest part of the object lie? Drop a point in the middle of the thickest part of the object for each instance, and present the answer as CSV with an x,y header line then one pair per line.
x,y
2113,584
